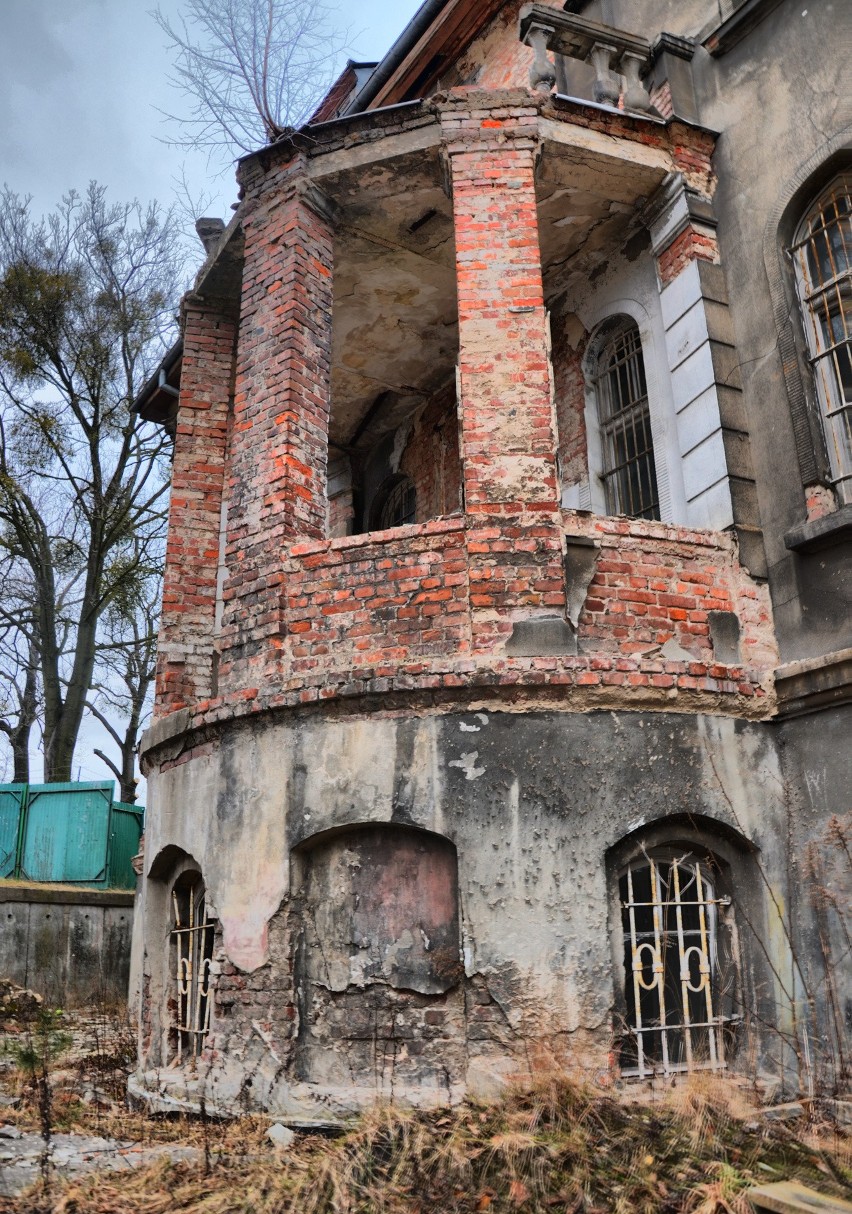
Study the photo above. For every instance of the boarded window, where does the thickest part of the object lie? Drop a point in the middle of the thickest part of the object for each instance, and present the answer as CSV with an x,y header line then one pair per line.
x,y
382,907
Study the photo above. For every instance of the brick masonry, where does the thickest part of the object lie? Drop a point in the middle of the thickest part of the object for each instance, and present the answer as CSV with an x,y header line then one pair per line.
x,y
431,607
187,626
277,483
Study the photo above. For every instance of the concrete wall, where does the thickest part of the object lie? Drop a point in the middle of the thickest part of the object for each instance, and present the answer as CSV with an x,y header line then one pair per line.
x,y
536,806
72,946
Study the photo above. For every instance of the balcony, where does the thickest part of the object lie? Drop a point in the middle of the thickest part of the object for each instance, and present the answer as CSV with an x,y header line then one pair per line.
x,y
422,609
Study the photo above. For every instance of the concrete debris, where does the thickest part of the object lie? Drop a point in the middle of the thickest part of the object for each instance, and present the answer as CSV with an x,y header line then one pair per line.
x,y
22,1156
280,1136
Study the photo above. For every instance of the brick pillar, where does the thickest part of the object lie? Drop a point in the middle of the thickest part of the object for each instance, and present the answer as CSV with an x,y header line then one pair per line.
x,y
186,642
278,485
506,394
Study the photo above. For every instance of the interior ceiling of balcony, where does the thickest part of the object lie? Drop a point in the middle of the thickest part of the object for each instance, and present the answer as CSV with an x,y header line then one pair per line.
x,y
395,331
587,207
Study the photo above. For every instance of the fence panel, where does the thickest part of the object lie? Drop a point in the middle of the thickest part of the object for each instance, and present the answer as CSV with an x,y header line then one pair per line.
x,y
126,825
12,797
66,833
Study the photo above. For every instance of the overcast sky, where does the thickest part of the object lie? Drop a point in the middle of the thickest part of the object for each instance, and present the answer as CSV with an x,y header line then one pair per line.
x,y
80,86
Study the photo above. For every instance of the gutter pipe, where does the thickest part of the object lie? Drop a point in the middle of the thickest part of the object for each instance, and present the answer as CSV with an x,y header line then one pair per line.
x,y
409,37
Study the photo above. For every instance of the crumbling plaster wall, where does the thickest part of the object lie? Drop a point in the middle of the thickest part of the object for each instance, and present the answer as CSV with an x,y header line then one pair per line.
x,y
532,804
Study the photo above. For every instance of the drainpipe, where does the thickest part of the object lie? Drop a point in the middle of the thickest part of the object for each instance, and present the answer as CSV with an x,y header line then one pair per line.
x,y
163,386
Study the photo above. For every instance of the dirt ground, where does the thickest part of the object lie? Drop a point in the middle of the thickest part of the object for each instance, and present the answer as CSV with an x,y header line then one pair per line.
x,y
696,1148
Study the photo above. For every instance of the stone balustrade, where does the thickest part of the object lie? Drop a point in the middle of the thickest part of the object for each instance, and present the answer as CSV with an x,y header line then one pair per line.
x,y
620,59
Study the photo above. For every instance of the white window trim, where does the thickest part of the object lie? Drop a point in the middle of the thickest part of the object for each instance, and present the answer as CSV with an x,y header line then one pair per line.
x,y
590,494
841,475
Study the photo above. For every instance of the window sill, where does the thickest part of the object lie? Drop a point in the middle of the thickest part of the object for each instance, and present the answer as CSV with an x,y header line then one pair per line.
x,y
814,684
827,532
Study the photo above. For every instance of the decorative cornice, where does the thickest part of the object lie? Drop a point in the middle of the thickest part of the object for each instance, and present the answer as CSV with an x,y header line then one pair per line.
x,y
725,37
814,685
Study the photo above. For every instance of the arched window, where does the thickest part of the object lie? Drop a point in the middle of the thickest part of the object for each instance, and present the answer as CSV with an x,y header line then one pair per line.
x,y
822,251
679,972
621,393
192,951
394,505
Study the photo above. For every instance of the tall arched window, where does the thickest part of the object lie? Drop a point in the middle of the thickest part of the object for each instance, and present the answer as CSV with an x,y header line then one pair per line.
x,y
621,392
192,951
823,256
679,973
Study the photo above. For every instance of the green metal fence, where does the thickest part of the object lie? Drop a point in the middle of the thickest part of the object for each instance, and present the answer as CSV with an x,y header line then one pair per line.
x,y
69,833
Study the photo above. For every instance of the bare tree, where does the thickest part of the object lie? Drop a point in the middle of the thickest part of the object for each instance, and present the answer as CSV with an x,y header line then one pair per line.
x,y
19,692
124,675
249,68
87,299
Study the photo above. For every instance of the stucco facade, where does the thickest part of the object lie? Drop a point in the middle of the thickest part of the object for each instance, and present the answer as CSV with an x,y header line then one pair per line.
x,y
504,580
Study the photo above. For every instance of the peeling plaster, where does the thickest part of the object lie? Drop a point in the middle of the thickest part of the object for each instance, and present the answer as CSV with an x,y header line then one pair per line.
x,y
467,763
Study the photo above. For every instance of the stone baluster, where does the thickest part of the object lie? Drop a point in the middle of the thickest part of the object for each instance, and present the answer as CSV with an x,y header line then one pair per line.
x,y
606,89
543,70
635,94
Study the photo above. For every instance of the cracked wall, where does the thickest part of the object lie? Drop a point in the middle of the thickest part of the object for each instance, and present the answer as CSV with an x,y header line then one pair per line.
x,y
326,991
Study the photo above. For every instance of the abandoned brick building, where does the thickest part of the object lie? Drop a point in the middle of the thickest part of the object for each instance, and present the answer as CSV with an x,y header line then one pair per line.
x,y
504,648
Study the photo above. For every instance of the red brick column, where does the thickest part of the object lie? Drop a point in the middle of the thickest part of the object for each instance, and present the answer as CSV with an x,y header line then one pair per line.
x,y
281,404
186,643
506,404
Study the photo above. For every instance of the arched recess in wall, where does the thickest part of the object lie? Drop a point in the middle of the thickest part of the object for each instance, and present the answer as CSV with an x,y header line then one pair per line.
x,y
790,207
685,913
379,904
377,958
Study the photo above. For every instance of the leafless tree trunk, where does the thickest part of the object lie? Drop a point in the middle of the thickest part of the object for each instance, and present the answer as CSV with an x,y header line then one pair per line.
x,y
86,300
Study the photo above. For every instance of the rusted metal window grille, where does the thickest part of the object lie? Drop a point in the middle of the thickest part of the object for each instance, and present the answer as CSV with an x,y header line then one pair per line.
x,y
670,917
823,258
192,937
629,474
400,506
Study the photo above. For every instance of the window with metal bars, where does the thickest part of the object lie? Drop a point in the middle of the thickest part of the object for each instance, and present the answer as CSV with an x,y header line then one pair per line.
x,y
395,504
192,951
679,973
629,473
822,252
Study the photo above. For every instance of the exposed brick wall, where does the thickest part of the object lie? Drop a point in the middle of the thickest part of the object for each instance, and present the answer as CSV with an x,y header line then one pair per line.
x,y
497,58
432,461
281,407
383,599
654,583
185,653
396,611
508,452
690,245
661,99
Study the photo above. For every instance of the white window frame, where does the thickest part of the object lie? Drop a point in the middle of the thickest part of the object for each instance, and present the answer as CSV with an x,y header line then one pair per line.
x,y
821,300
690,1003
191,938
644,311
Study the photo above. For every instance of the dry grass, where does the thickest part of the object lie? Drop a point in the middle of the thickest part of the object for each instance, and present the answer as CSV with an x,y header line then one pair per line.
x,y
556,1146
